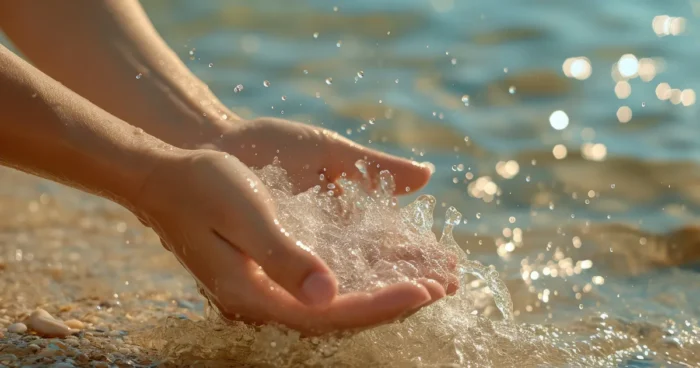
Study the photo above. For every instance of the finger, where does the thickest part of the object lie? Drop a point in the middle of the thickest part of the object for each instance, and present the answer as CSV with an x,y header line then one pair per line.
x,y
409,176
353,311
284,259
436,291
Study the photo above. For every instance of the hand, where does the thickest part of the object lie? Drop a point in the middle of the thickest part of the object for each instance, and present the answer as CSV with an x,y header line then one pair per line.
x,y
309,153
212,212
306,152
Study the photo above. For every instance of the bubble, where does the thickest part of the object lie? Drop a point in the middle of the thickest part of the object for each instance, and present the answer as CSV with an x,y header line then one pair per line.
x,y
284,98
360,74
315,34
138,76
559,120
465,100
266,83
511,90
211,65
238,88
329,81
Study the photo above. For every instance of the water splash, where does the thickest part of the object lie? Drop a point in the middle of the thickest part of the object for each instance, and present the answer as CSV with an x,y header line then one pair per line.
x,y
369,242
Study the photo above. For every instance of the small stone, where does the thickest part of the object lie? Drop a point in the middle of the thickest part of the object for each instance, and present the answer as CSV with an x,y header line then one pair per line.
x,y
18,328
48,352
63,365
44,324
34,347
82,358
124,351
111,347
7,358
100,365
75,324
2,335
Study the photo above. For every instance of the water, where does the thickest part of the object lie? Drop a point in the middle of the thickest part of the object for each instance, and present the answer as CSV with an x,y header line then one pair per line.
x,y
590,226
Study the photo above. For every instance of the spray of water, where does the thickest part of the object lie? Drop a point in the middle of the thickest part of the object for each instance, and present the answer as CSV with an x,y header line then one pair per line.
x,y
369,242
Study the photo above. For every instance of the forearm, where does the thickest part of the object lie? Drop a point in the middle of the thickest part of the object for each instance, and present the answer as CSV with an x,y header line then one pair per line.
x,y
47,130
98,48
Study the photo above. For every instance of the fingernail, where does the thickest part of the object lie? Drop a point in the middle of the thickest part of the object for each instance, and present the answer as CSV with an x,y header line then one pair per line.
x,y
319,288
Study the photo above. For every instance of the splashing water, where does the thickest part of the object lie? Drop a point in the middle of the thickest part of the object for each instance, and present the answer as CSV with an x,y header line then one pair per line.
x,y
369,242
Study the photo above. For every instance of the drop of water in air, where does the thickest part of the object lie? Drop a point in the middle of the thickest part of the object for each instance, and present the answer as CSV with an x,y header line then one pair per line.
x,y
465,100
329,81
511,90
211,65
315,34
360,74
238,88
266,83
138,76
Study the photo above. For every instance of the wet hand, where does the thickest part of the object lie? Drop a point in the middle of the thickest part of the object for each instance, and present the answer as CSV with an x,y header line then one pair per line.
x,y
312,155
218,219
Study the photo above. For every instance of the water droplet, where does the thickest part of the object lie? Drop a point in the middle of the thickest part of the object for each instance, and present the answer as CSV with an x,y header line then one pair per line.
x,y
408,189
511,90
644,104
329,81
284,98
306,71
315,34
238,88
339,43
266,83
371,121
465,100
138,76
211,65
360,74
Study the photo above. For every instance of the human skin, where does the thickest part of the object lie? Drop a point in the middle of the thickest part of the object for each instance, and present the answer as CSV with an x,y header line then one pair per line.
x,y
227,237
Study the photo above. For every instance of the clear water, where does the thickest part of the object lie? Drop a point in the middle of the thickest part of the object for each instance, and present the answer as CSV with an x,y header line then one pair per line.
x,y
600,257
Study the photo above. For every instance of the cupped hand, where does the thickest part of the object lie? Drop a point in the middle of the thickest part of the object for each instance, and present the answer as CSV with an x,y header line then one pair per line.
x,y
219,220
306,152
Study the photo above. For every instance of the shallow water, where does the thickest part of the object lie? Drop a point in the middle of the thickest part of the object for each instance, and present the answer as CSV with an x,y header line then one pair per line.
x,y
589,245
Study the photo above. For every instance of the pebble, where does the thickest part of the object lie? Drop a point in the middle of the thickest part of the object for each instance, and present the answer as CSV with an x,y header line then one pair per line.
x,y
75,324
17,328
63,365
2,335
45,324
48,352
34,347
8,358
100,365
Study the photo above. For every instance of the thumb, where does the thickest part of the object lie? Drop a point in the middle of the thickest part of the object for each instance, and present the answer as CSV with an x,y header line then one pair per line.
x,y
284,259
